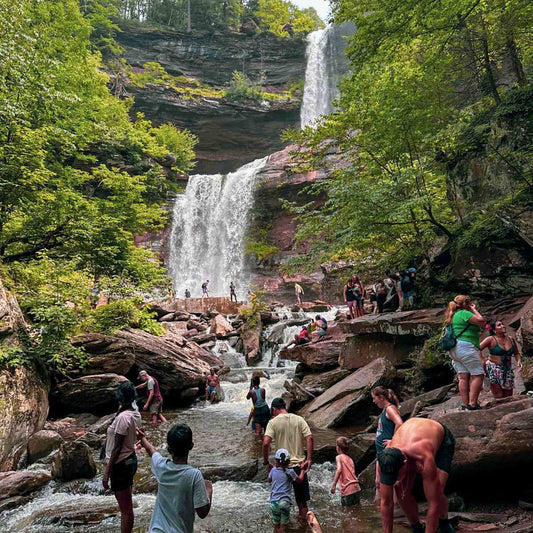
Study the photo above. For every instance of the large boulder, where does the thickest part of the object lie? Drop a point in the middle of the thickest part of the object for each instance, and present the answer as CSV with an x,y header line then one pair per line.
x,y
107,354
22,482
175,362
349,402
492,445
23,391
251,342
42,443
74,461
88,394
220,326
393,336
523,321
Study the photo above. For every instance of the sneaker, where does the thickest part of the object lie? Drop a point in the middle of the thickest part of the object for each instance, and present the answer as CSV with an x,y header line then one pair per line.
x,y
464,408
476,407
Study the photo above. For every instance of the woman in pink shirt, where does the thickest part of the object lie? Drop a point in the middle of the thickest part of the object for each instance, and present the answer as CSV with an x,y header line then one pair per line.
x,y
345,475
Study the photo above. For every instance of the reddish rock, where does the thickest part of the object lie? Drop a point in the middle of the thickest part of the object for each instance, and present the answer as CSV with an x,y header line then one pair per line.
x,y
349,402
251,340
22,482
42,443
220,326
74,461
196,305
494,443
390,335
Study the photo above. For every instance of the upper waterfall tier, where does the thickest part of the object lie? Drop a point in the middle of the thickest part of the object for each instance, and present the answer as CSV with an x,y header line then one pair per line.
x,y
326,65
209,227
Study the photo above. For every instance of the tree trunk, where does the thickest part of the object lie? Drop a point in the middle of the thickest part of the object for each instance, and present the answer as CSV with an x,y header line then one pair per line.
x,y
487,65
516,64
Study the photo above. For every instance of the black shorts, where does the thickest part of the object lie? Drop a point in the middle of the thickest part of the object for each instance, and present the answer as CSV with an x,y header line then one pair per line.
x,y
262,415
122,473
301,490
351,499
444,456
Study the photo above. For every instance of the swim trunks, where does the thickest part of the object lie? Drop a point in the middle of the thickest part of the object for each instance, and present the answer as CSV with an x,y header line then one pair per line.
x,y
444,456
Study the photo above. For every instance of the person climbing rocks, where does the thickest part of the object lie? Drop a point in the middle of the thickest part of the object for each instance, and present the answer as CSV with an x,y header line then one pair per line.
x,y
499,364
205,289
466,321
182,491
388,422
120,454
350,299
283,478
187,293
232,293
300,338
261,414
291,432
423,446
299,292
212,382
154,400
321,328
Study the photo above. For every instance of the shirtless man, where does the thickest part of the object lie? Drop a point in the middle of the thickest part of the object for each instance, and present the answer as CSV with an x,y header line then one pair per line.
x,y
419,445
212,382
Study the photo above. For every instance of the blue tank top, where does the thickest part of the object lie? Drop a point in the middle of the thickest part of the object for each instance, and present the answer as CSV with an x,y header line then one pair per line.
x,y
259,402
385,431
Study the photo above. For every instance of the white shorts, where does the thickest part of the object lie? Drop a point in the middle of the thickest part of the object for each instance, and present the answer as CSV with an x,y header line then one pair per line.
x,y
465,359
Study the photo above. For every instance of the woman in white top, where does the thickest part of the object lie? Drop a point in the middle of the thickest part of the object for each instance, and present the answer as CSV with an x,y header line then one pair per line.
x,y
120,454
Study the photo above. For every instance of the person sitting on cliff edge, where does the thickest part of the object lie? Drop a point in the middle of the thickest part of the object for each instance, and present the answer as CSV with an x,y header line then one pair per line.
x,y
419,445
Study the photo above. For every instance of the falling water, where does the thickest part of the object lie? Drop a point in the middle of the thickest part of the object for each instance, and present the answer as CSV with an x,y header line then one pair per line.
x,y
326,64
209,226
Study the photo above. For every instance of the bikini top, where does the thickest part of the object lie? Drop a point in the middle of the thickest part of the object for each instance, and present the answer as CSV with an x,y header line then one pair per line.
x,y
501,352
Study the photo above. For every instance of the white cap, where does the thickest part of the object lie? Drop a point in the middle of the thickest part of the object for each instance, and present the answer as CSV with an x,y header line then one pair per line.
x,y
283,455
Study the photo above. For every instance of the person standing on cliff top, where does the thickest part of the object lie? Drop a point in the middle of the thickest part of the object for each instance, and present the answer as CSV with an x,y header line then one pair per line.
x,y
154,401
232,292
423,446
298,291
205,289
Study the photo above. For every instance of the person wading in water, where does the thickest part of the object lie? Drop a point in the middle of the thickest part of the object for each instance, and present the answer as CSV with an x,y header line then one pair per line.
x,y
212,382
154,401
261,410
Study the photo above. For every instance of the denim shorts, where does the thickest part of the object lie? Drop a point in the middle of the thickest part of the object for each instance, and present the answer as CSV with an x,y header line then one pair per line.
x,y
465,359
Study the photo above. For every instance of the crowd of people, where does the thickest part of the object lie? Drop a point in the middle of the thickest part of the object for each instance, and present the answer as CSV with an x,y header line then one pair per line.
x,y
403,448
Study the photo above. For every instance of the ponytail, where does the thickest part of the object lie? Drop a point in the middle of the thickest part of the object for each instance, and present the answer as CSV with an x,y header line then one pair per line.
x,y
387,393
459,302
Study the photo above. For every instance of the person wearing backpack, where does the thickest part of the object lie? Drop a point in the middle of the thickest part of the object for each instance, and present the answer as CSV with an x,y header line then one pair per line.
x,y
466,321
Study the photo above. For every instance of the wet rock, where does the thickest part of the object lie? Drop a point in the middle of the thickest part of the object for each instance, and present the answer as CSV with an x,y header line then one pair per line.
x,y
73,515
100,427
319,356
490,444
268,318
348,402
95,394
107,354
42,443
14,501
251,344
393,336
230,472
221,327
74,461
22,482
367,477
203,337
187,396
197,325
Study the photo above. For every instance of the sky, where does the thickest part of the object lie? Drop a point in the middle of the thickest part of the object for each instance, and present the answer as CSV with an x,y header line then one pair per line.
x,y
321,6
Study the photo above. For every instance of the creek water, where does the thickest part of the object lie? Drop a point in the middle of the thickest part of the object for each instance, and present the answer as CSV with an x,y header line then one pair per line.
x,y
221,437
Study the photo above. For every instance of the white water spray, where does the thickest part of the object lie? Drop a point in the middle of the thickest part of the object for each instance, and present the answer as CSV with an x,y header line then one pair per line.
x,y
208,230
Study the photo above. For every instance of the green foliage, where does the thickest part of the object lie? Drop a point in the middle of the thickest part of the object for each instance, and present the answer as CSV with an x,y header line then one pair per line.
x,y
427,93
296,89
242,90
124,313
274,15
251,313
261,249
12,357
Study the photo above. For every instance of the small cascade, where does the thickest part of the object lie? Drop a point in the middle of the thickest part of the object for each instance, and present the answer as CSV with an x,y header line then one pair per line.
x,y
208,230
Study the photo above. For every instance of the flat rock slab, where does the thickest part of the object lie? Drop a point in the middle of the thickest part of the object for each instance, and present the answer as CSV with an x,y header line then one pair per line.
x,y
348,402
318,356
22,482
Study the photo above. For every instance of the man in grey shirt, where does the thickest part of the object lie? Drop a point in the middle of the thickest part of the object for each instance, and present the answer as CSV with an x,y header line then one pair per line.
x,y
182,491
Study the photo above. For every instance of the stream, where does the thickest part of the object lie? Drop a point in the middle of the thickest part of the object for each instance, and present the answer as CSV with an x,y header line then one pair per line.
x,y
221,437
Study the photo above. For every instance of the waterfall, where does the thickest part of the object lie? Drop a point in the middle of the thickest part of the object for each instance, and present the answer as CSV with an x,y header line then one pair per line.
x,y
208,232
326,64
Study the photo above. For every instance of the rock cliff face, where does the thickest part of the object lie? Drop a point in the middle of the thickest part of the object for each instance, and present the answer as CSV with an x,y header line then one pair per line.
x,y
229,134
212,58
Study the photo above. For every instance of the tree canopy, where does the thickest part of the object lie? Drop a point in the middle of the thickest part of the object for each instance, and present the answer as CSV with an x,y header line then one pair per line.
x,y
430,85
